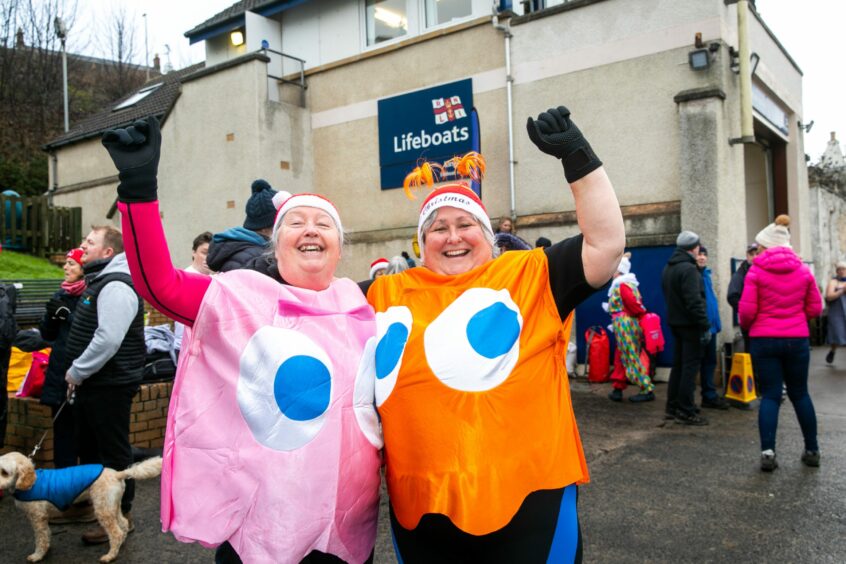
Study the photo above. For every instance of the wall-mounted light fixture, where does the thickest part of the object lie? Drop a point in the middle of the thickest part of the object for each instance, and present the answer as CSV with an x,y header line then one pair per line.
x,y
237,37
754,59
699,59
806,126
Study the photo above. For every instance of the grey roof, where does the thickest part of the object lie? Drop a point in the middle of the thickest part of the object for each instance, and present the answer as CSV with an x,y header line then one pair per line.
x,y
157,103
234,11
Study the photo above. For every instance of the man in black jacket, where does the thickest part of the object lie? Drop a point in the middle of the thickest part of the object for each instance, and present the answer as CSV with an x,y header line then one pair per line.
x,y
105,351
735,289
234,248
687,317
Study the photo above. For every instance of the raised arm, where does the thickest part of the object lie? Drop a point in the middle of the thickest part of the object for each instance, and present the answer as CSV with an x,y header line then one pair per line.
x,y
597,209
135,151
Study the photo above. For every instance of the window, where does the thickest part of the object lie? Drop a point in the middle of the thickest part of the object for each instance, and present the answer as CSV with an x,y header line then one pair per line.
x,y
137,97
385,20
443,11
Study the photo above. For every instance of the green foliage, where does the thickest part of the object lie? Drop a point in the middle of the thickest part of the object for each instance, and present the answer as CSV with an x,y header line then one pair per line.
x,y
27,175
20,266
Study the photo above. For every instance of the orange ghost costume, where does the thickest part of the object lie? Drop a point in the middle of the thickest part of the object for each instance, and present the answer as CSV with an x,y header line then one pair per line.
x,y
472,391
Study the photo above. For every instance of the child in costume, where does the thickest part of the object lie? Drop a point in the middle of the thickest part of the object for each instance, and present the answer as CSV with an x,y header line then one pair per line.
x,y
272,444
482,452
626,307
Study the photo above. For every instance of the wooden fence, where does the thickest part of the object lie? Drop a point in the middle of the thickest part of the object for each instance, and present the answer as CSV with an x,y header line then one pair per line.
x,y
30,225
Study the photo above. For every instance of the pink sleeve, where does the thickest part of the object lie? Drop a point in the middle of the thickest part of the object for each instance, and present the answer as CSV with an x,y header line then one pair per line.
x,y
813,300
747,309
175,293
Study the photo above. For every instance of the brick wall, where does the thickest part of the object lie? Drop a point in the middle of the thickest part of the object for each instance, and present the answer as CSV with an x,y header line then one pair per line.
x,y
28,420
155,317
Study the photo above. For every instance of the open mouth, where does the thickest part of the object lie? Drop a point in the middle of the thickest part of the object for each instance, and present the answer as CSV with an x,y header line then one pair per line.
x,y
456,253
310,248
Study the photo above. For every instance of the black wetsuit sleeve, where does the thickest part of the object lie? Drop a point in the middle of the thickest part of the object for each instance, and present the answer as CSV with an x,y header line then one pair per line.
x,y
567,274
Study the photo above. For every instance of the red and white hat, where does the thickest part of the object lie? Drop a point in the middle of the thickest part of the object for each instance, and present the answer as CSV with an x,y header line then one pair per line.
x,y
75,255
456,196
377,265
285,202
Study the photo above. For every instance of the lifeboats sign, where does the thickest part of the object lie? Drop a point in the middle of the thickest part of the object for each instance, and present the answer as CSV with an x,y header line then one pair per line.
x,y
431,124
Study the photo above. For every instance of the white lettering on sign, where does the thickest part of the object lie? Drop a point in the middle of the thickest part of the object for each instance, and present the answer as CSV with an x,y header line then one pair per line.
x,y
409,141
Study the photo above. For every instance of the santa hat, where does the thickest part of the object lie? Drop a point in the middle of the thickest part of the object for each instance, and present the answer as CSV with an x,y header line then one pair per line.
x,y
285,202
455,196
75,255
377,265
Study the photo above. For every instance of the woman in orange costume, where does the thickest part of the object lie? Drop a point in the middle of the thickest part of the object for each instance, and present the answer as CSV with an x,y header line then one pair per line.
x,y
482,452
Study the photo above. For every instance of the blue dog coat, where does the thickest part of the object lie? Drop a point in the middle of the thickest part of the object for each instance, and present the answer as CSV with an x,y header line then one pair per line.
x,y
61,487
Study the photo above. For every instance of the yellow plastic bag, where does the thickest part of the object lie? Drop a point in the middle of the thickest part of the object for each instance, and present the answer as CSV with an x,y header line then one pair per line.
x,y
19,364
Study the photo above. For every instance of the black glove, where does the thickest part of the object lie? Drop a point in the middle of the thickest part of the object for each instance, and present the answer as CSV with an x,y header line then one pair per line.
x,y
556,135
56,309
135,151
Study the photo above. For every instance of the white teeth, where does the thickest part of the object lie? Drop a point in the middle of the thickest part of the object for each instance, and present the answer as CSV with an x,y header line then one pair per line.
x,y
307,248
456,253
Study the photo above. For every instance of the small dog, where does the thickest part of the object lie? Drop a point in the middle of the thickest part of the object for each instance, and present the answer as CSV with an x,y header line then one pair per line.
x,y
17,473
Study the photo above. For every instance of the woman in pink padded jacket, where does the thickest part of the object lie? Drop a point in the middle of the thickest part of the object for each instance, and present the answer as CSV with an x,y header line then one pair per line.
x,y
779,297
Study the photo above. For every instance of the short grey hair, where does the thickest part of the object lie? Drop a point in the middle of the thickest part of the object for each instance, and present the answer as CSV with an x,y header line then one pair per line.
x,y
396,265
489,236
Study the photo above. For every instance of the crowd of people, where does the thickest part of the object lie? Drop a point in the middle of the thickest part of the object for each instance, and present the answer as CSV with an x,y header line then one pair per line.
x,y
317,382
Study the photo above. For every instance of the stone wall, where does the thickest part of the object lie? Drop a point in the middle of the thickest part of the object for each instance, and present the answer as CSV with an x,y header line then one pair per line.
x,y
28,420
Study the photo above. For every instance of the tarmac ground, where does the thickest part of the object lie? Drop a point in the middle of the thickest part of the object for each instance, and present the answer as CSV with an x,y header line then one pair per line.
x,y
659,491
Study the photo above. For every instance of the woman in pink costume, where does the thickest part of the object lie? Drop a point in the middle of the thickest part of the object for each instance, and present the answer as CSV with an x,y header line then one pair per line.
x,y
272,444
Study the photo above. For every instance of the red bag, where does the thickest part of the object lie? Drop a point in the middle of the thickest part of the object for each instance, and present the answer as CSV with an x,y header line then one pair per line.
x,y
33,382
598,354
653,337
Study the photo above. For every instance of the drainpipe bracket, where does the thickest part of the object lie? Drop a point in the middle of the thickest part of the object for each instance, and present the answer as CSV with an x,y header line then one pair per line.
x,y
742,140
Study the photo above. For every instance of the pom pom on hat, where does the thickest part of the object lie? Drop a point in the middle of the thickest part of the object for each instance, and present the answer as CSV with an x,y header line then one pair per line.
x,y
625,265
75,255
687,240
377,265
285,202
260,209
776,234
452,195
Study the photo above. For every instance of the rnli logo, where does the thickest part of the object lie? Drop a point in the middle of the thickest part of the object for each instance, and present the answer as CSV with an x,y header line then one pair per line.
x,y
448,109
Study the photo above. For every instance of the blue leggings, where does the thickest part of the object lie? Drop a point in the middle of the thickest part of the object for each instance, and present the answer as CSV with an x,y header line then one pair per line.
x,y
783,360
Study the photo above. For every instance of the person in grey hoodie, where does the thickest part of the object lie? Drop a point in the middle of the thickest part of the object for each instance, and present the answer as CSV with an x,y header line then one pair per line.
x,y
105,351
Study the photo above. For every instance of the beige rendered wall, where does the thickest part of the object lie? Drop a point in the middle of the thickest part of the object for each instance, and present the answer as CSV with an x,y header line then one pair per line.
x,y
221,135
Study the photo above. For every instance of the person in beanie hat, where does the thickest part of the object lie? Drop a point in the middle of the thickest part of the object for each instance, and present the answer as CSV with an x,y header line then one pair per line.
x,y
54,328
684,293
780,296
378,268
274,384
735,288
236,247
457,328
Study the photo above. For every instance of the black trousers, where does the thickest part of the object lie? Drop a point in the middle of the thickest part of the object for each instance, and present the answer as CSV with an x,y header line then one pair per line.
x,y
687,358
64,437
102,430
225,554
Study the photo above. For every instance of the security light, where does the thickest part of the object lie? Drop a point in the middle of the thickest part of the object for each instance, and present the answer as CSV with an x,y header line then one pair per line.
x,y
237,37
699,59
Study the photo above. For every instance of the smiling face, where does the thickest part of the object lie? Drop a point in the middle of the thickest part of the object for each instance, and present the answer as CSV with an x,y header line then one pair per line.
x,y
455,242
73,270
308,248
701,260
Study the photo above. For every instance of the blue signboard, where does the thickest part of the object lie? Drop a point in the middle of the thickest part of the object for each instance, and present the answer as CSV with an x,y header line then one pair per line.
x,y
431,124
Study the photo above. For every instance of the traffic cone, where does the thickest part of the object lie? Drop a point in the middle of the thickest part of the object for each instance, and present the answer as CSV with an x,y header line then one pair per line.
x,y
741,382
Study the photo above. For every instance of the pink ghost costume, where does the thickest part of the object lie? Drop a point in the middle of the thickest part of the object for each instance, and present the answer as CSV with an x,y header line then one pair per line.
x,y
272,439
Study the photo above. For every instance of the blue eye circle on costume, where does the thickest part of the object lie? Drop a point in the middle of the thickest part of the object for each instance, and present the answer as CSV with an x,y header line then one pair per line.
x,y
284,387
393,328
493,331
390,348
474,344
301,387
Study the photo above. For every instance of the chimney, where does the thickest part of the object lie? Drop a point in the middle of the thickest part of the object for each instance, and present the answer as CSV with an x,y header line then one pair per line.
x,y
19,38
157,63
834,136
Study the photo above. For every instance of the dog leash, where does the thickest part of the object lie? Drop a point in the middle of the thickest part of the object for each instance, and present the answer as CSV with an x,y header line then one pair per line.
x,y
68,401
